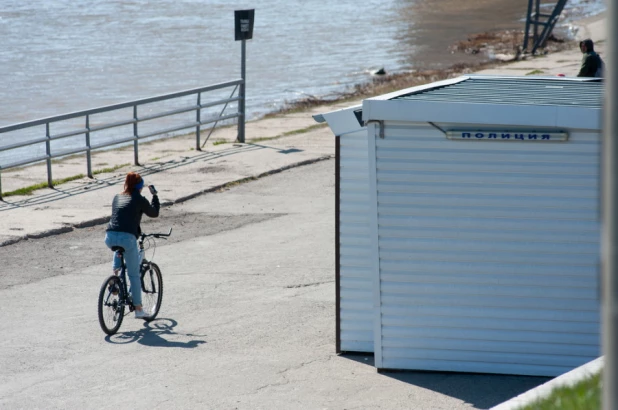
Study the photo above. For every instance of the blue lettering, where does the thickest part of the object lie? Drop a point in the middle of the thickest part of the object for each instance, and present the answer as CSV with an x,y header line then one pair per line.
x,y
493,135
465,135
531,136
479,135
545,137
506,136
519,136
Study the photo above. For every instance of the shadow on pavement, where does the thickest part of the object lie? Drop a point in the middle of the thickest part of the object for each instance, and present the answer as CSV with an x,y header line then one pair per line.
x,y
153,335
59,193
481,391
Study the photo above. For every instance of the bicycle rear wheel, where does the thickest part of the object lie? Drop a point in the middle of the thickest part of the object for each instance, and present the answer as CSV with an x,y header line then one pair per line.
x,y
152,290
111,310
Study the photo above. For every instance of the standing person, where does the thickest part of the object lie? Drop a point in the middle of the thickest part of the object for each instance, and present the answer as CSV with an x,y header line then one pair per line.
x,y
592,65
124,229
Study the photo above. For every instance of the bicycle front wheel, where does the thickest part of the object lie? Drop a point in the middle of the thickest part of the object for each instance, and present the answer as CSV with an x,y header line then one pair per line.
x,y
111,308
152,290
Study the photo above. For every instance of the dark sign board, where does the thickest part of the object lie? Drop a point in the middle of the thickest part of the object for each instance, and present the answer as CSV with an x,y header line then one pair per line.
x,y
244,24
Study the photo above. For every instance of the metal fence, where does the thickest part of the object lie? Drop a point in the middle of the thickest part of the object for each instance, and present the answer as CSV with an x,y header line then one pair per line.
x,y
90,128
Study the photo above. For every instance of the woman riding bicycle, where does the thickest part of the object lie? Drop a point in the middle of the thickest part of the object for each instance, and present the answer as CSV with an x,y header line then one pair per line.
x,y
124,229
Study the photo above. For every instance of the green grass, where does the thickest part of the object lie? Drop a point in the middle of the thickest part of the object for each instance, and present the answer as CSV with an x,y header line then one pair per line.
x,y
30,189
533,72
220,142
109,169
585,395
288,133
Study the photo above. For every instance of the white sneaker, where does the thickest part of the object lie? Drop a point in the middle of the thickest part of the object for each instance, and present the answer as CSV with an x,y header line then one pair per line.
x,y
141,314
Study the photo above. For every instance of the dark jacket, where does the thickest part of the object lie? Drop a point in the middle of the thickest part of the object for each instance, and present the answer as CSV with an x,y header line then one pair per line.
x,y
590,64
127,212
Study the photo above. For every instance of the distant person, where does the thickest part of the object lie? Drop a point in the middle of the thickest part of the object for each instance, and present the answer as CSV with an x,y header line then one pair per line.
x,y
592,65
124,229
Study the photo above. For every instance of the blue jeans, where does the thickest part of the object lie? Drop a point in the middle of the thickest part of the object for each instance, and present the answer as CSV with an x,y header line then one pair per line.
x,y
131,258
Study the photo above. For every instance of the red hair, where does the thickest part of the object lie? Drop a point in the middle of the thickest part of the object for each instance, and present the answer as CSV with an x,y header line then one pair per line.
x,y
133,178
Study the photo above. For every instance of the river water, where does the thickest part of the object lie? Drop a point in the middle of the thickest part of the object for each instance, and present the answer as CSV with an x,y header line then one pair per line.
x,y
60,56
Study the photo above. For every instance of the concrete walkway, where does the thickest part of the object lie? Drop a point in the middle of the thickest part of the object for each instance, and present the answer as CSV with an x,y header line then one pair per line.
x,y
173,165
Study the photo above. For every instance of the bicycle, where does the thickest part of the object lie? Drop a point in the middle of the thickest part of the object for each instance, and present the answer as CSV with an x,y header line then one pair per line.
x,y
114,295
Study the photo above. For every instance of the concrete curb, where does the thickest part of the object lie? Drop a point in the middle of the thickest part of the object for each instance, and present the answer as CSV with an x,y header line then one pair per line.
x,y
544,390
252,178
105,219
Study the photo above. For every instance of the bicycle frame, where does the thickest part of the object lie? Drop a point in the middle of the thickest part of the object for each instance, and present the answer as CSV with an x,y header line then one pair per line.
x,y
115,297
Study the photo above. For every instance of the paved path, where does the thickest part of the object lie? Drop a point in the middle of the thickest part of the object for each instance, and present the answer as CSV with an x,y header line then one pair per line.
x,y
177,170
247,320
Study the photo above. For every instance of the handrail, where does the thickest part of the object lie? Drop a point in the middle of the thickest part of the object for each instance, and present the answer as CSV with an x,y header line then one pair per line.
x,y
119,106
134,120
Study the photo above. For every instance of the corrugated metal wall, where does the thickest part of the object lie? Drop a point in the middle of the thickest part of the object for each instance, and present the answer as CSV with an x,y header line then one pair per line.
x,y
355,283
488,252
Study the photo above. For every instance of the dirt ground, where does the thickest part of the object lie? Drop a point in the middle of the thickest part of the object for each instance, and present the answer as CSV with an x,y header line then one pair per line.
x,y
54,255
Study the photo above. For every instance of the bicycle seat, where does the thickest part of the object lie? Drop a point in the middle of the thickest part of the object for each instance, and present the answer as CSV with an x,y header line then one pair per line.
x,y
117,249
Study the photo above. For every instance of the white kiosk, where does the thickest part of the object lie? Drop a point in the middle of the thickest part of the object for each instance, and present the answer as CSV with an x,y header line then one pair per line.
x,y
481,225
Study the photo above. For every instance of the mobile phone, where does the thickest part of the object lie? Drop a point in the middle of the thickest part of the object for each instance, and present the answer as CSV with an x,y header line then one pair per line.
x,y
153,190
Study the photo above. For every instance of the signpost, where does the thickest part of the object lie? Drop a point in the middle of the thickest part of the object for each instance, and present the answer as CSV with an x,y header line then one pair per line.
x,y
243,31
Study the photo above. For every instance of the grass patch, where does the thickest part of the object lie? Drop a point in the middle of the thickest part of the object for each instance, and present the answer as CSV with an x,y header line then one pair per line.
x,y
304,130
155,158
534,72
288,133
30,189
109,169
585,395
220,142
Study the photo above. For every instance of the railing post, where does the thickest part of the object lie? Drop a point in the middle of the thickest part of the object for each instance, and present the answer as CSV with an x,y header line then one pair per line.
x,y
135,135
0,183
537,15
48,152
527,29
88,155
241,94
198,118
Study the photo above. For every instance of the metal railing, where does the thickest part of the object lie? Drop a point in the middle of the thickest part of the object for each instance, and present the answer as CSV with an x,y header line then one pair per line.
x,y
88,130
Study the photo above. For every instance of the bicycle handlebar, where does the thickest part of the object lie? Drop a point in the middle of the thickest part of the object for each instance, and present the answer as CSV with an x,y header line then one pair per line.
x,y
156,235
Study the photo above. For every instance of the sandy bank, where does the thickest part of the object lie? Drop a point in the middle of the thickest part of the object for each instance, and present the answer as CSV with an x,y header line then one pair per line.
x,y
558,57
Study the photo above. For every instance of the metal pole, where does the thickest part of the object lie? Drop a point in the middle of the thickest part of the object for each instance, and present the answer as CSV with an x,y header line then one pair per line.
x,y
527,29
241,93
135,145
537,16
610,216
198,120
220,115
88,155
48,152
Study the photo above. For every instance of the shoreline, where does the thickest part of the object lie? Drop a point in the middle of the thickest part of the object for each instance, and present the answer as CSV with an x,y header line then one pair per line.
x,y
504,45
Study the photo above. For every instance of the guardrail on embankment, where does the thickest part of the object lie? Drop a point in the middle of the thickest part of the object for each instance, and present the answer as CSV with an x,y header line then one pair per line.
x,y
90,127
